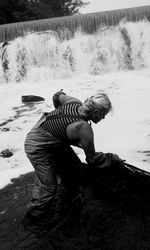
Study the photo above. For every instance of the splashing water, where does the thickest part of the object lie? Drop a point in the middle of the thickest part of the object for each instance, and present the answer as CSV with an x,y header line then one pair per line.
x,y
114,59
45,56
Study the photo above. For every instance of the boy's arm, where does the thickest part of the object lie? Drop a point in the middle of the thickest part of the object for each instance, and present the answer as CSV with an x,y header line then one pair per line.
x,y
60,98
86,140
83,133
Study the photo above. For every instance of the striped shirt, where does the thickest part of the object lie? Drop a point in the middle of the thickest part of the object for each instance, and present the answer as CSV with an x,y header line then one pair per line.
x,y
57,120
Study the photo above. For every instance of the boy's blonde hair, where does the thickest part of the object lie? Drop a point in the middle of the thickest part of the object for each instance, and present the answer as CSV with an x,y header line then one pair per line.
x,y
98,101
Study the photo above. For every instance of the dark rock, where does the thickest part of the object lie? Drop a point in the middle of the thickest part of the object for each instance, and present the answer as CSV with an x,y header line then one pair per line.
x,y
6,153
32,98
5,129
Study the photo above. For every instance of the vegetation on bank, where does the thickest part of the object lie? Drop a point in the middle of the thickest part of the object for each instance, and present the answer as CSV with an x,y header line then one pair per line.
x,y
88,23
12,11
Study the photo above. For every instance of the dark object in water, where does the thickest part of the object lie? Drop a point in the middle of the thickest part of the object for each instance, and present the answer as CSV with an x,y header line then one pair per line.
x,y
123,180
5,129
32,98
110,210
5,43
6,153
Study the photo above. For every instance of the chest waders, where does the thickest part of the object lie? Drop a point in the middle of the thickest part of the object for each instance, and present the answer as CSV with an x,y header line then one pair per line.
x,y
48,154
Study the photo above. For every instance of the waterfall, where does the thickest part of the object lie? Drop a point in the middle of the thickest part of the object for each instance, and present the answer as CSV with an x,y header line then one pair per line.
x,y
47,55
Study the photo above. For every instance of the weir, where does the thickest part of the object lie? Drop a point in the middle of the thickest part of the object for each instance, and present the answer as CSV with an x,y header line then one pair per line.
x,y
71,46
88,23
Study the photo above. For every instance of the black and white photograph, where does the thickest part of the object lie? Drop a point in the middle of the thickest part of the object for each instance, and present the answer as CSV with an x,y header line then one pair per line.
x,y
74,125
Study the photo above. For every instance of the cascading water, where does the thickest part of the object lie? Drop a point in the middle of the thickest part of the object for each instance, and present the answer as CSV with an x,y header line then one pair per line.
x,y
123,47
114,59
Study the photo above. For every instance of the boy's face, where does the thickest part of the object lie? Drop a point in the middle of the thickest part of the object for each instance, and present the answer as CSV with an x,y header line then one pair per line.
x,y
98,115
